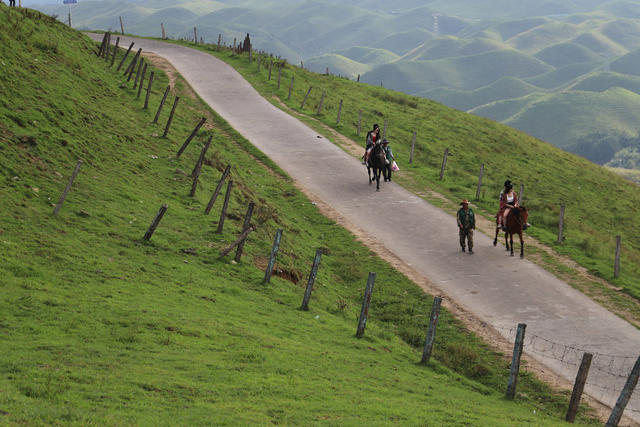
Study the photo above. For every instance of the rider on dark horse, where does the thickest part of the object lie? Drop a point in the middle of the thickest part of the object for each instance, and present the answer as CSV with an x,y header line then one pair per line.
x,y
373,136
508,200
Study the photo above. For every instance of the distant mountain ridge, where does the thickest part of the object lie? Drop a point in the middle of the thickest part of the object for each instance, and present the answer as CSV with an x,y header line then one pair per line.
x,y
476,56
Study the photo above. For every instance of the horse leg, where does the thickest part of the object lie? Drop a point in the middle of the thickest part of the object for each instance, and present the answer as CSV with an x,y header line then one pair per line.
x,y
369,173
506,240
521,245
377,174
495,241
511,241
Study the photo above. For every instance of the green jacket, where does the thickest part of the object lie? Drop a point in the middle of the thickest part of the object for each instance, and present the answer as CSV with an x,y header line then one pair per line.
x,y
388,153
466,219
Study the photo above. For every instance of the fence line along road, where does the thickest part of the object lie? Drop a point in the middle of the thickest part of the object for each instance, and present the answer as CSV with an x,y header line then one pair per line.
x,y
498,289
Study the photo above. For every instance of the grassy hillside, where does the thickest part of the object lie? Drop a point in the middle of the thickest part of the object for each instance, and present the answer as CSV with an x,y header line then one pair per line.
x,y
551,177
562,54
447,47
562,76
99,327
504,88
369,56
337,64
599,82
627,64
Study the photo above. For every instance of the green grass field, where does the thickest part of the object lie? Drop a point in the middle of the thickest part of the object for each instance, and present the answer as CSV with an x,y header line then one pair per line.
x,y
99,327
551,177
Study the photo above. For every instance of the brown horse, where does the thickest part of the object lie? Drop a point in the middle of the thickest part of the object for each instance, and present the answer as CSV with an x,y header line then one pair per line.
x,y
515,223
377,163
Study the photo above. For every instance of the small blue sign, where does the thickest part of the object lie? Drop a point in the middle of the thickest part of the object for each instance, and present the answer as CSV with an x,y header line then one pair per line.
x,y
69,1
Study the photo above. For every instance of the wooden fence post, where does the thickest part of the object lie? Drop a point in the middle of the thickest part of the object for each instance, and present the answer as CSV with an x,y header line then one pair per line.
x,y
146,98
225,205
479,181
137,79
431,332
305,97
105,54
102,45
259,61
250,50
413,144
121,25
311,281
561,225
384,129
578,387
270,68
173,110
625,395
339,113
198,167
217,190
66,190
290,88
245,226
219,40
358,80
195,35
115,50
164,34
124,58
132,64
359,122
155,222
364,311
238,241
190,137
515,361
320,104
521,194
444,163
279,76
272,257
616,264
144,73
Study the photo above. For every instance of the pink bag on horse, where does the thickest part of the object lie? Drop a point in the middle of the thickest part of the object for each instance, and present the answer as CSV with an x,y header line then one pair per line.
x,y
394,166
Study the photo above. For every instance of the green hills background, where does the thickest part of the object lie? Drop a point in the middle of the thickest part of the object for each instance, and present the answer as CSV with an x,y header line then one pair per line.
x,y
463,54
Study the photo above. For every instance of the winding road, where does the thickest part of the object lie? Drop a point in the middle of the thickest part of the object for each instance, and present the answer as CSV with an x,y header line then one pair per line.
x,y
499,290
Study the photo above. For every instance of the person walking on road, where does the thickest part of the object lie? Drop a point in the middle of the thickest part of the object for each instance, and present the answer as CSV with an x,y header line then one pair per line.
x,y
466,225
389,155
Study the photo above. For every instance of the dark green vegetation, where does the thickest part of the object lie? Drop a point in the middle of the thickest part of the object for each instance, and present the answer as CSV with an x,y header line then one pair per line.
x,y
457,52
99,327
599,204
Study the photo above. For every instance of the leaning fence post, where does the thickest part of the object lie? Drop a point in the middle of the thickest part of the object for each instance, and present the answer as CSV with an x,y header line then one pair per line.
x,y
444,163
479,181
217,190
279,76
305,97
515,361
124,58
384,129
320,104
431,332
173,110
121,25
290,88
102,45
219,39
155,222
223,213
164,98
132,64
272,257
66,190
413,144
259,61
115,50
359,122
561,225
144,73
198,168
245,227
164,34
146,98
362,322
270,68
190,137
578,387
137,79
616,265
312,279
339,113
358,80
195,35
625,395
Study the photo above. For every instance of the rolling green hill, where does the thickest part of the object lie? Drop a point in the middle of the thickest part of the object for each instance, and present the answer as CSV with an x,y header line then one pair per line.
x,y
369,56
504,88
627,64
601,81
562,54
337,64
562,75
447,47
100,327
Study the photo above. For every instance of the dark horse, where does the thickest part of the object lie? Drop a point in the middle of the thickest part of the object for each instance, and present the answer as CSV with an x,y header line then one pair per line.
x,y
376,162
515,222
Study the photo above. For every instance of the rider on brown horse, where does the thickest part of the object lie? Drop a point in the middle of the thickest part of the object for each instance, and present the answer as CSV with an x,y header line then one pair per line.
x,y
508,199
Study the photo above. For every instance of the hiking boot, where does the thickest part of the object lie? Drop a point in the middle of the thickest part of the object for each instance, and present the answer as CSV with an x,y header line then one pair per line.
x,y
463,249
470,251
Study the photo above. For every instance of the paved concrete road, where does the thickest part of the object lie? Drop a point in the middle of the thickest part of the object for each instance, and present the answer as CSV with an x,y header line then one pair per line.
x,y
500,290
